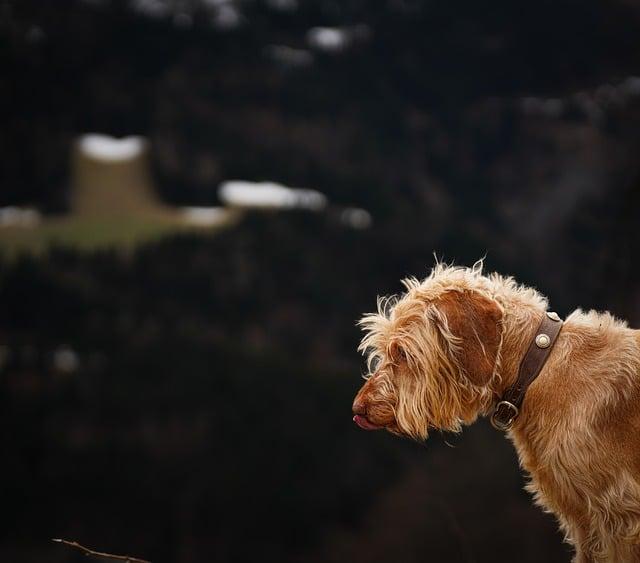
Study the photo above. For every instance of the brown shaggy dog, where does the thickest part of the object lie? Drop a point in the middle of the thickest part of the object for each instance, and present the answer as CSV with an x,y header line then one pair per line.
x,y
444,352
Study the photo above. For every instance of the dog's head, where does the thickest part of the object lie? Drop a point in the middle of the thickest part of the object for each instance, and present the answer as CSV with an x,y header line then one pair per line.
x,y
432,355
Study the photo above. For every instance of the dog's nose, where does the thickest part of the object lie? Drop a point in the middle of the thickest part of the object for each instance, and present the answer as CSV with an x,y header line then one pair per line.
x,y
359,406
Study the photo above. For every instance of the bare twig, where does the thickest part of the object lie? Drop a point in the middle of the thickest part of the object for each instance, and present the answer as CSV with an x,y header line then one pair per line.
x,y
99,554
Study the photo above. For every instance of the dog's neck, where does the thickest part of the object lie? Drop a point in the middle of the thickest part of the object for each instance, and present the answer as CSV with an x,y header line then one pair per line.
x,y
520,320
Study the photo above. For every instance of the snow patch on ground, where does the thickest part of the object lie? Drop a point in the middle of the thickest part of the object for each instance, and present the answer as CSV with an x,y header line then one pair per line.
x,y
205,216
356,218
330,39
109,149
337,39
269,195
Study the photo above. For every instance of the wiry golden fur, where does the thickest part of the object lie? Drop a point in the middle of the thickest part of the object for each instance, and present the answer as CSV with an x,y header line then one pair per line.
x,y
444,352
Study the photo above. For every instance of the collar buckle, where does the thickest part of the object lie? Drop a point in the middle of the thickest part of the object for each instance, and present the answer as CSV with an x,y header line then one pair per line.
x,y
498,421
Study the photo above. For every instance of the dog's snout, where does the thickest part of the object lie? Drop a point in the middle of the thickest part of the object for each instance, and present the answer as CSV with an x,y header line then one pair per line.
x,y
359,406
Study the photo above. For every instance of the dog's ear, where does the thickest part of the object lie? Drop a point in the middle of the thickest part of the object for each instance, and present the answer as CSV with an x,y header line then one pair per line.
x,y
471,326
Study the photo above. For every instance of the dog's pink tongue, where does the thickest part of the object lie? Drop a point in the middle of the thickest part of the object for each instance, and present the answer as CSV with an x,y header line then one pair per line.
x,y
363,423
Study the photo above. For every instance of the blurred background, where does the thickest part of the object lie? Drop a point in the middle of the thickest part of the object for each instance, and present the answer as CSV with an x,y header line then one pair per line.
x,y
198,198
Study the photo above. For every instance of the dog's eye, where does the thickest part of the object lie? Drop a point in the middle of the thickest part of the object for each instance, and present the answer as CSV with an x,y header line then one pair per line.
x,y
374,364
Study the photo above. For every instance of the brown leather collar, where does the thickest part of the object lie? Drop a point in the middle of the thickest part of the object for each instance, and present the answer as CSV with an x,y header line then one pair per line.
x,y
508,407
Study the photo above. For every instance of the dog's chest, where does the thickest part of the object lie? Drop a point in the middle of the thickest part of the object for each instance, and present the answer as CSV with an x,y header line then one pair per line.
x,y
554,467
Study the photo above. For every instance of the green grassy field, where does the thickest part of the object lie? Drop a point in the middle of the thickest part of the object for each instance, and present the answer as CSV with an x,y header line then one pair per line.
x,y
87,233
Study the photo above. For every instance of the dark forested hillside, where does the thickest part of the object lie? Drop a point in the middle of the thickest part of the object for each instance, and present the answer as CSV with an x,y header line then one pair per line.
x,y
189,401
